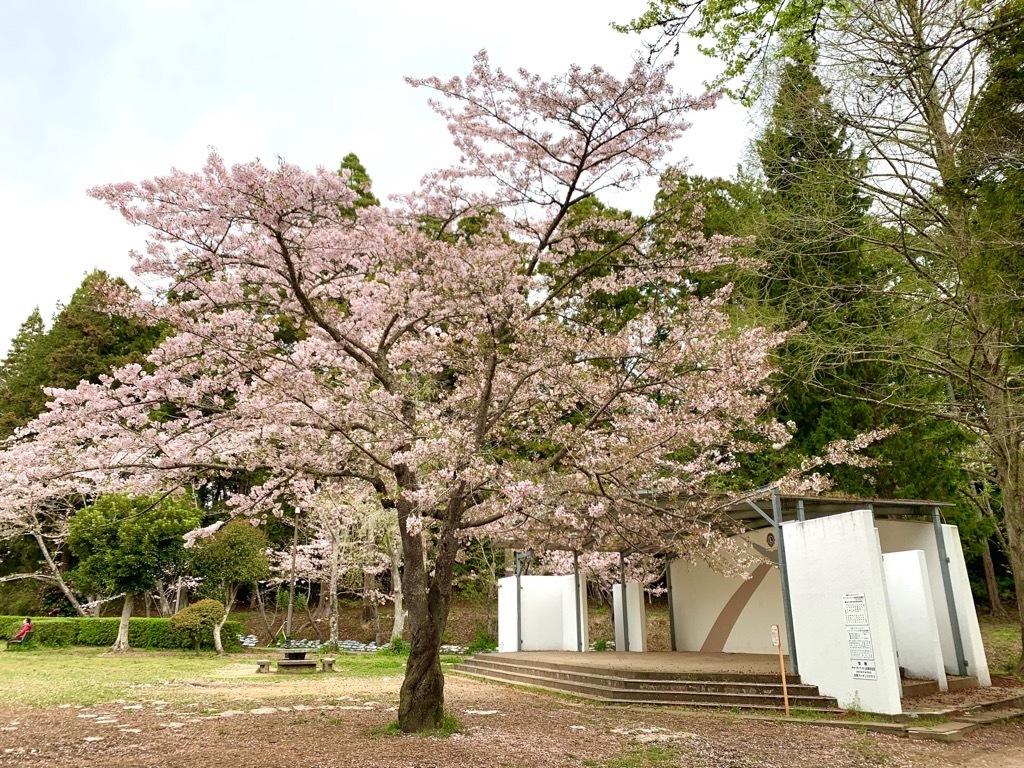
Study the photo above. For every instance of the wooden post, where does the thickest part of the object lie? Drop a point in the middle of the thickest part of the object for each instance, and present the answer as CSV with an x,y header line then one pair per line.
x,y
782,666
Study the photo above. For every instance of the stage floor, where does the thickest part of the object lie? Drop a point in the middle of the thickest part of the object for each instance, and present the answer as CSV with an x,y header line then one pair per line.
x,y
658,661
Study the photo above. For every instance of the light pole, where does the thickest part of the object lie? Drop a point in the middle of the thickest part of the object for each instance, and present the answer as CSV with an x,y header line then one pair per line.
x,y
291,588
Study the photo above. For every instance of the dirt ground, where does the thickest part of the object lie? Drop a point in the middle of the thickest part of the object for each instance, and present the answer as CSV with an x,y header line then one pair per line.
x,y
329,722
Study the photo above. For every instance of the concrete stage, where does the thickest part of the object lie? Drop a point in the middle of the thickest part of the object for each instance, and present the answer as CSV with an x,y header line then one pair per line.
x,y
743,680
664,662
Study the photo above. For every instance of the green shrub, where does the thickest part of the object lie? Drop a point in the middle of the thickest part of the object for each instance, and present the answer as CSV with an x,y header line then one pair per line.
x,y
93,631
482,643
9,625
56,633
191,625
398,647
142,633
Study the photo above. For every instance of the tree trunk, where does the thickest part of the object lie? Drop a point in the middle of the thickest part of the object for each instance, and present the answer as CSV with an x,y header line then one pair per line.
x,y
58,575
369,587
179,596
995,605
218,644
1009,463
421,700
121,644
263,614
1013,515
332,597
492,600
322,609
398,625
313,623
163,604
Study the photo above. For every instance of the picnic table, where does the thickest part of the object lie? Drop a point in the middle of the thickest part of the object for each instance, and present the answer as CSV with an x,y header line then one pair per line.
x,y
295,661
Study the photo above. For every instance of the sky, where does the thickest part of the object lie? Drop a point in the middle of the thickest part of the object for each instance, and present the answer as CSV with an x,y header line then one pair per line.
x,y
123,90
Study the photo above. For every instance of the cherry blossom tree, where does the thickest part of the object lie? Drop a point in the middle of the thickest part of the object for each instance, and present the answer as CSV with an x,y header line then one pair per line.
x,y
449,352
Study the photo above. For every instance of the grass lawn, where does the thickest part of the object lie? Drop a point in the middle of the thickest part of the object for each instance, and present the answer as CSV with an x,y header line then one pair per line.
x,y
86,676
1002,644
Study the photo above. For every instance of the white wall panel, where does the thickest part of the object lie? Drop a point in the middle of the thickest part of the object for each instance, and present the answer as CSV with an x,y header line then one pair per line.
x,y
636,613
844,640
913,616
549,613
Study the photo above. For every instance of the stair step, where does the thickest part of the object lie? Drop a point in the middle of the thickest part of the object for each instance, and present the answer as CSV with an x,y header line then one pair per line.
x,y
647,684
641,696
634,674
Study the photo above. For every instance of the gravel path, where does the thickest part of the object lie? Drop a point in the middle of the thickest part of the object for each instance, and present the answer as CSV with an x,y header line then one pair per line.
x,y
334,722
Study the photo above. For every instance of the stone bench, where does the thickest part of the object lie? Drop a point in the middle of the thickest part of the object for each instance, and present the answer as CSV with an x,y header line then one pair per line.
x,y
296,665
264,666
327,665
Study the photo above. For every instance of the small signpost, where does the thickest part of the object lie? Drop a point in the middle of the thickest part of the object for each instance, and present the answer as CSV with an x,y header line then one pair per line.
x,y
782,666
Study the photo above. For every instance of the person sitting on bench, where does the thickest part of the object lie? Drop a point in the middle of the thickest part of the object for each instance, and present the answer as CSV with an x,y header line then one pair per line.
x,y
23,633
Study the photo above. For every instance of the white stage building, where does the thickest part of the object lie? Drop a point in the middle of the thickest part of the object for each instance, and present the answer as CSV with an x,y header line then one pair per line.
x,y
864,598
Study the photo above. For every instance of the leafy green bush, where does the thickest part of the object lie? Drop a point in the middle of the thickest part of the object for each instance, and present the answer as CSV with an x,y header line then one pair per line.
x,y
9,625
142,633
398,647
153,633
196,622
98,632
56,633
482,643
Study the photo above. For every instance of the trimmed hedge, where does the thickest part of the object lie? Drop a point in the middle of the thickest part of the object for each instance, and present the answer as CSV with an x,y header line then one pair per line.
x,y
142,633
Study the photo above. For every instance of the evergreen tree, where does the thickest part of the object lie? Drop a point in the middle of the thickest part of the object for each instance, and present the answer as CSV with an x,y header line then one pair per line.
x,y
125,543
85,342
820,274
358,181
23,374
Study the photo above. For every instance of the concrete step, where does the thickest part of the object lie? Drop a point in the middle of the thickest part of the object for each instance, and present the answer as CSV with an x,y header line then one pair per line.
x,y
615,694
669,684
915,688
635,674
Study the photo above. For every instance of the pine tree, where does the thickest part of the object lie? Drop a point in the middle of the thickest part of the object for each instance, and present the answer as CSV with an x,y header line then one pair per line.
x,y
358,181
822,275
86,341
23,374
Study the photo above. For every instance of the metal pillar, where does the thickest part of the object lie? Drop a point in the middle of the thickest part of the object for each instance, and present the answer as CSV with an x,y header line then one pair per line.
x,y
787,606
579,608
519,602
947,583
671,614
625,611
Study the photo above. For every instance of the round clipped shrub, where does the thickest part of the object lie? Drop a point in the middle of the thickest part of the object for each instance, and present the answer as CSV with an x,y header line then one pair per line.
x,y
195,623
